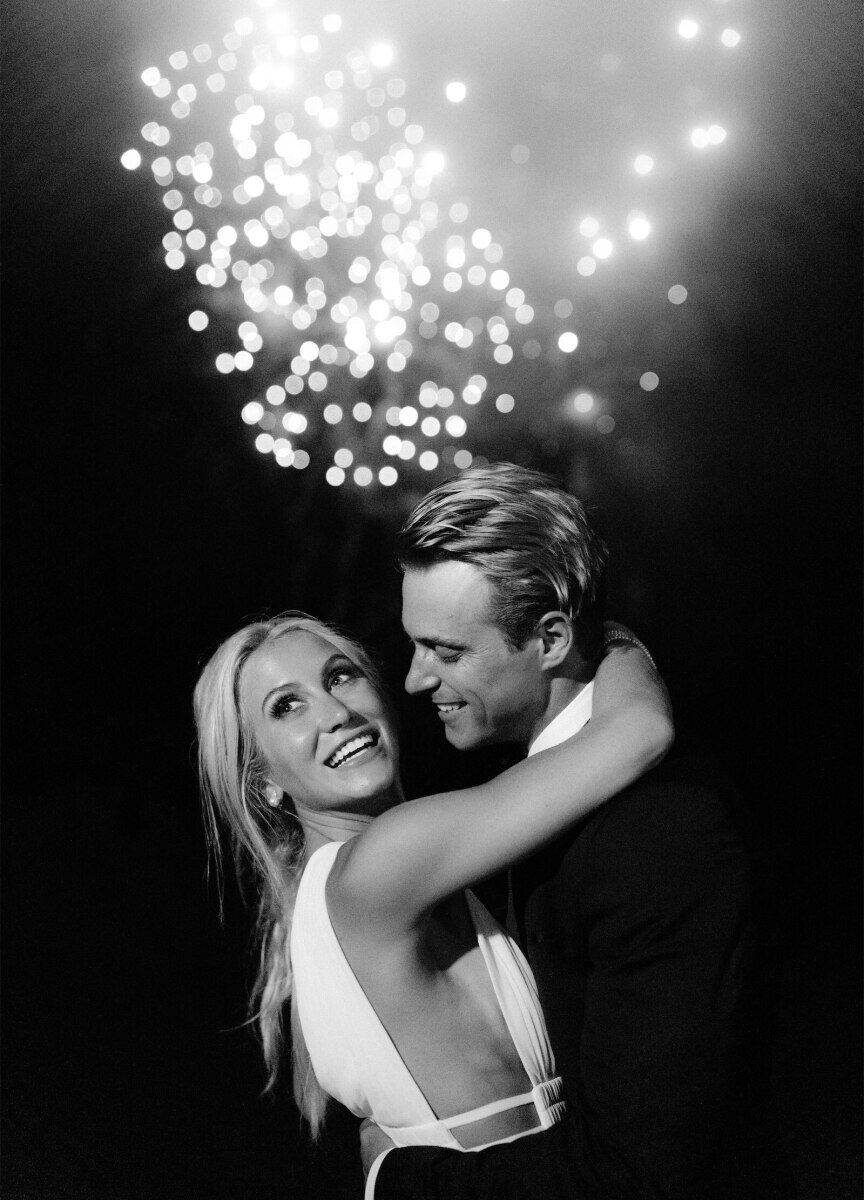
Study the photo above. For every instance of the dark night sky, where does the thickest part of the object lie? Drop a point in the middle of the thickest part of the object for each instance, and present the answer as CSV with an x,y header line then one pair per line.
x,y
140,527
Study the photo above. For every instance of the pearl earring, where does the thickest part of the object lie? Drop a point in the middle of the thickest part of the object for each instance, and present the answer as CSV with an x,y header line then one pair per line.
x,y
274,797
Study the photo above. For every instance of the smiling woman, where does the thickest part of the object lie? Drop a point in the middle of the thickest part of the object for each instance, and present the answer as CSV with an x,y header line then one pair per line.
x,y
322,726
233,708
365,923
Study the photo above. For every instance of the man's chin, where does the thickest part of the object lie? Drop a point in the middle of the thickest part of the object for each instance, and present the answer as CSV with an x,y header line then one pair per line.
x,y
463,739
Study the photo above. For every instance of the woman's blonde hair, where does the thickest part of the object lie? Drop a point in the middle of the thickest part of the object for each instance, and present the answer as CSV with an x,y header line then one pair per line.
x,y
233,777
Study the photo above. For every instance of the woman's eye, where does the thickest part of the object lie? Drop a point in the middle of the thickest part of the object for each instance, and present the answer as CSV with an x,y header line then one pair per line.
x,y
283,705
343,675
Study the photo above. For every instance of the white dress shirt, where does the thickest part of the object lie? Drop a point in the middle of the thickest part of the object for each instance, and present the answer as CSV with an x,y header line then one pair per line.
x,y
568,722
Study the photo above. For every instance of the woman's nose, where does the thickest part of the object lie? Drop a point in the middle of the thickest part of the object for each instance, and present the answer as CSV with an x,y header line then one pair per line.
x,y
420,677
333,715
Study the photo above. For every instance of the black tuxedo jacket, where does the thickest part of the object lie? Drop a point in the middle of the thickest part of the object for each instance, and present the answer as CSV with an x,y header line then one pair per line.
x,y
636,925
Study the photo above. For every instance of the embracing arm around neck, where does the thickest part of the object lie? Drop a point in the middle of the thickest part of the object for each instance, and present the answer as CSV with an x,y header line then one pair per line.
x,y
413,856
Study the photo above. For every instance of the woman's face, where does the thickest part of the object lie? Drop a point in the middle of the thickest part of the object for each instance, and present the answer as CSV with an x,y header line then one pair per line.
x,y
320,724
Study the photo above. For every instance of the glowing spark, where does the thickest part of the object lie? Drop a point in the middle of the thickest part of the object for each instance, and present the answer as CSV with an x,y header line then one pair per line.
x,y
381,56
298,191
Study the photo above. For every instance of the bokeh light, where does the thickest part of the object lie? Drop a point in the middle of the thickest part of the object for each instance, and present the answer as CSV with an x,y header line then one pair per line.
x,y
649,381
643,164
334,268
381,56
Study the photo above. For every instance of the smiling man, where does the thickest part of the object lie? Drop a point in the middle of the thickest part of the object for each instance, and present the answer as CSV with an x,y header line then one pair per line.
x,y
635,922
483,688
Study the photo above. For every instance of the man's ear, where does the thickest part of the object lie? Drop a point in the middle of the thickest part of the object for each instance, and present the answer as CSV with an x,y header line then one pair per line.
x,y
555,631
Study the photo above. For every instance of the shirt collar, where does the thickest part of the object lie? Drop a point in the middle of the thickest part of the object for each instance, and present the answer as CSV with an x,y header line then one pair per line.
x,y
568,722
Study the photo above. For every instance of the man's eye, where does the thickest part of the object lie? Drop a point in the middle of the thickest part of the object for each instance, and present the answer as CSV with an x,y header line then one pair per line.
x,y
450,656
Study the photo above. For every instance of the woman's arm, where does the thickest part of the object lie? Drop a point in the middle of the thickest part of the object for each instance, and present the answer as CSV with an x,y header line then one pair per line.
x,y
417,853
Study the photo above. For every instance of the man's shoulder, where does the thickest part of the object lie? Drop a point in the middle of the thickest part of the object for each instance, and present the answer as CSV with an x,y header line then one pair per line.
x,y
685,806
688,775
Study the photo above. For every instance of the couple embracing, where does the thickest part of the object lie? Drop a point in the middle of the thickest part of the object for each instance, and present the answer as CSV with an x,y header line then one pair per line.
x,y
605,1069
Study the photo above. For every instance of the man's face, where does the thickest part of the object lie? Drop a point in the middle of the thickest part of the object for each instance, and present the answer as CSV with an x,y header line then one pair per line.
x,y
484,690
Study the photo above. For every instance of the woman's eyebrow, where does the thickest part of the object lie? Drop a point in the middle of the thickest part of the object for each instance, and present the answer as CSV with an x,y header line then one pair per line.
x,y
280,687
331,662
338,657
273,691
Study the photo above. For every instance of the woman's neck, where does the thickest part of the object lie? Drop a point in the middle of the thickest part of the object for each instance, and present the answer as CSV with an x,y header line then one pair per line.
x,y
319,828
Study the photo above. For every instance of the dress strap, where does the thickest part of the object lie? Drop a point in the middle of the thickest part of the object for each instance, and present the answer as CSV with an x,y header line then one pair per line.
x,y
501,1121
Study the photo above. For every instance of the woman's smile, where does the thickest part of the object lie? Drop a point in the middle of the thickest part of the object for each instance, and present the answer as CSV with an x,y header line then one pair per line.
x,y
357,748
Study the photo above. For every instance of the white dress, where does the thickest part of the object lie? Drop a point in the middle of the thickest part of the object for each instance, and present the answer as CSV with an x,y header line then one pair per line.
x,y
353,1056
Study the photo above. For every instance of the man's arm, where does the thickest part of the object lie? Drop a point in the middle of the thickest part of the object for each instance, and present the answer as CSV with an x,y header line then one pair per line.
x,y
639,938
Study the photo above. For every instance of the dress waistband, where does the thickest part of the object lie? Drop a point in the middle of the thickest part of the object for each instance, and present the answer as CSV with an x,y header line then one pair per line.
x,y
490,1124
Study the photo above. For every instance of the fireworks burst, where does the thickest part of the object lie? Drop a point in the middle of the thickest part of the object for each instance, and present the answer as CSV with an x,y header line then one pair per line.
x,y
377,317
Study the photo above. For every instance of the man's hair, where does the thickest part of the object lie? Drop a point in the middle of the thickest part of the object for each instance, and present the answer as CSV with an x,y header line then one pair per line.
x,y
530,538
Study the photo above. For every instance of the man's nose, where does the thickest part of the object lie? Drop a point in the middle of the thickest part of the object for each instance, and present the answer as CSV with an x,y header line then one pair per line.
x,y
420,677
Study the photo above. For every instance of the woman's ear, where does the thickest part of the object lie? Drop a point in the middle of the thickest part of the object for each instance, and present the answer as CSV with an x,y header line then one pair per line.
x,y
556,635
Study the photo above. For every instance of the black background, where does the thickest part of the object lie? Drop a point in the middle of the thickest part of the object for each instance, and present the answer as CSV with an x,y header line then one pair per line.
x,y
140,528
